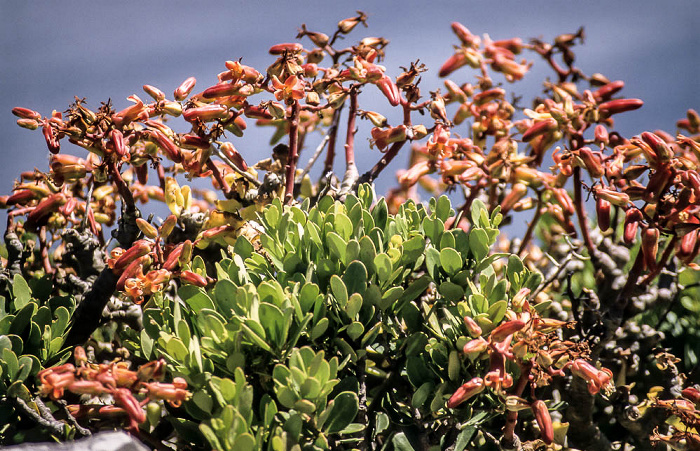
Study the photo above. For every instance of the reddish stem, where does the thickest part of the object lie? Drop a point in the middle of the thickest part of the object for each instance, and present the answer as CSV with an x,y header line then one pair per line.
x,y
293,155
580,212
122,187
350,136
512,416
219,178
332,138
531,226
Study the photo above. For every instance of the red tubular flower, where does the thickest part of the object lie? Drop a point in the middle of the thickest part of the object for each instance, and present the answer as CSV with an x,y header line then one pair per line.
x,y
21,197
55,380
692,394
415,172
26,113
466,391
544,421
460,58
464,34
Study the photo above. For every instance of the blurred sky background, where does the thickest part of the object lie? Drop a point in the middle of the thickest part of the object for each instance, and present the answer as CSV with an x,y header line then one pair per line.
x,y
51,51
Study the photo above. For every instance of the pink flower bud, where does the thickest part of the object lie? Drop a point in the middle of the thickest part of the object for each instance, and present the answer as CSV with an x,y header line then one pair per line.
x,y
389,89
602,208
279,49
608,90
540,128
138,249
632,218
472,327
475,347
26,113
465,35
466,391
184,89
193,278
220,90
502,332
616,106
544,421
205,113
154,92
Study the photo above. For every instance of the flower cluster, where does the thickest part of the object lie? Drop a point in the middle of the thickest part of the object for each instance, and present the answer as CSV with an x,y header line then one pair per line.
x,y
124,386
530,341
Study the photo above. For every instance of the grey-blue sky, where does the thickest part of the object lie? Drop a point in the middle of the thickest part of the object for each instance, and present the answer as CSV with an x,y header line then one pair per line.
x,y
51,51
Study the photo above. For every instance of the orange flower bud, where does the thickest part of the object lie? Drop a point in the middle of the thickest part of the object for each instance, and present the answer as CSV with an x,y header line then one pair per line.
x,y
458,59
193,142
456,93
292,47
693,394
53,144
235,157
220,90
383,137
117,139
592,162
544,421
169,148
689,243
184,89
466,391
